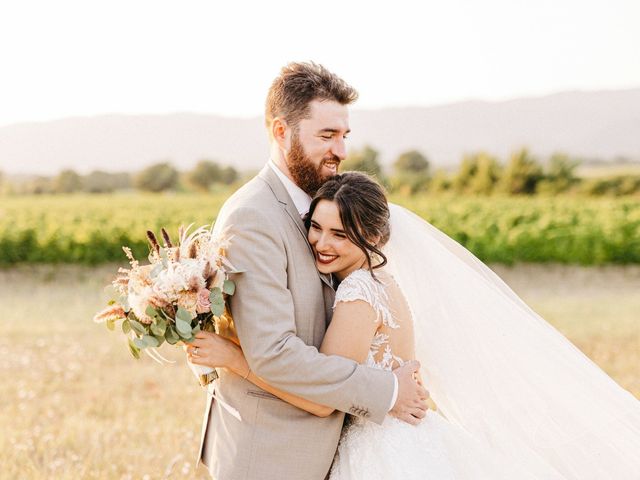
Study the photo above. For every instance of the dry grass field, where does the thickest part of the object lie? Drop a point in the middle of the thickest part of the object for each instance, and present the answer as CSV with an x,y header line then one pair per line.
x,y
75,405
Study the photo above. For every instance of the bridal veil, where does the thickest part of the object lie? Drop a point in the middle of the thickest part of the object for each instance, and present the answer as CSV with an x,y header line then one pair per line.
x,y
501,372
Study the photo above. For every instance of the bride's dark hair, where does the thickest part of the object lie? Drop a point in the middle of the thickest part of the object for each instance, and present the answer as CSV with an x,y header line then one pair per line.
x,y
363,209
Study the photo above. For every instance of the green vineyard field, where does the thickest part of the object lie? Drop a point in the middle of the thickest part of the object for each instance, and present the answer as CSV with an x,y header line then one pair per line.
x,y
90,229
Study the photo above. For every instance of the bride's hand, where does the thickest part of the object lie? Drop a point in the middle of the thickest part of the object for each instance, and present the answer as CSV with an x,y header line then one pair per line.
x,y
214,351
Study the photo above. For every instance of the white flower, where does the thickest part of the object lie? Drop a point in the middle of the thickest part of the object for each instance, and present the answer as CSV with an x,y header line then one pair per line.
x,y
192,269
138,301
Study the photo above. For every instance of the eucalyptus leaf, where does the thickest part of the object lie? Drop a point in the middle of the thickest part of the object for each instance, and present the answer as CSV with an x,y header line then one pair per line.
x,y
171,335
137,327
126,326
159,339
159,327
140,343
217,309
135,351
229,287
184,315
217,302
183,328
111,324
150,341
195,329
216,296
151,312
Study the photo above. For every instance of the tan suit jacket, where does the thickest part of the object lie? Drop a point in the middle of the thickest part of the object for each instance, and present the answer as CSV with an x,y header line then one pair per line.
x,y
281,309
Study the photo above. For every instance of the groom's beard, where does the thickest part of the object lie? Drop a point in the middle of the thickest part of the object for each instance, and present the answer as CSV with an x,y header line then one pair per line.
x,y
305,174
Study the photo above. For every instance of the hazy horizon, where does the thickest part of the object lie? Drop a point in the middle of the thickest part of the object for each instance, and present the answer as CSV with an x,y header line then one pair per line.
x,y
602,125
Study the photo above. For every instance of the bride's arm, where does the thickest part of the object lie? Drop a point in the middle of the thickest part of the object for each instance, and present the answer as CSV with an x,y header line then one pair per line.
x,y
349,335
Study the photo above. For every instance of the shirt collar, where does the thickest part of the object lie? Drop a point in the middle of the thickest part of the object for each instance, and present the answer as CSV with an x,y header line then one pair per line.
x,y
301,199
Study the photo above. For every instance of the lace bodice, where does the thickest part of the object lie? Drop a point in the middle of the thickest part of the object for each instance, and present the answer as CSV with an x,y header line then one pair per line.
x,y
360,285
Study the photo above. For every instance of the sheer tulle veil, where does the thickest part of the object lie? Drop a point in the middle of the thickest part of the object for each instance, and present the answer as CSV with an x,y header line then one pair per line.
x,y
498,370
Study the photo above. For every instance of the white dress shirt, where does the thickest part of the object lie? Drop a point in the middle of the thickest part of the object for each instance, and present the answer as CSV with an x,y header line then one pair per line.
x,y
302,202
301,199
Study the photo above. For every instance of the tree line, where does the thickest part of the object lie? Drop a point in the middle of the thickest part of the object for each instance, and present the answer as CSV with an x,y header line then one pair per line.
x,y
484,174
411,172
159,177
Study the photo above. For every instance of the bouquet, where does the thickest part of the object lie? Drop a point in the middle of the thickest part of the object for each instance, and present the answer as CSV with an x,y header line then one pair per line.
x,y
181,291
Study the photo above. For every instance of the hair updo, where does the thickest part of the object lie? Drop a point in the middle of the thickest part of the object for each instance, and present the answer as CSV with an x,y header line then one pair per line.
x,y
363,209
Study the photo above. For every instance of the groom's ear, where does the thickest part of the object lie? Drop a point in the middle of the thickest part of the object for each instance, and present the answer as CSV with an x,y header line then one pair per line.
x,y
279,132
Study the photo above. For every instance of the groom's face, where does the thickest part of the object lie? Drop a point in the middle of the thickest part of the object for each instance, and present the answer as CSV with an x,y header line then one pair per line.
x,y
318,145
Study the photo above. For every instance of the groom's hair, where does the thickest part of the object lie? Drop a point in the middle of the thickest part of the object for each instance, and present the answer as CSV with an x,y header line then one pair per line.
x,y
297,85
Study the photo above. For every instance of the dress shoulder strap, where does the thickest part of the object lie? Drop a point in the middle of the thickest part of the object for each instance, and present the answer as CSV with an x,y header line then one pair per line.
x,y
360,285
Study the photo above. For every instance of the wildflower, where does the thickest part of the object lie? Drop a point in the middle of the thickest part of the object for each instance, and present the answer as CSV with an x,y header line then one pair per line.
x,y
113,312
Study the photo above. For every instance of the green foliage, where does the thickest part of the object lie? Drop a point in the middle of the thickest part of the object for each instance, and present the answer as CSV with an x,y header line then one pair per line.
x,y
206,173
105,182
67,181
560,175
38,185
478,174
619,185
364,160
91,229
586,231
411,173
217,301
229,287
440,182
229,175
521,174
412,161
157,178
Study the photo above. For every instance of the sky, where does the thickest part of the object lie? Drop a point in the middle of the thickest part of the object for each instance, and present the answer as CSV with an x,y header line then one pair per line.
x,y
83,58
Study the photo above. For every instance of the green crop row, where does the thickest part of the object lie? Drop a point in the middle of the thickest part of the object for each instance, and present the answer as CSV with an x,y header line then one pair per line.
x,y
91,229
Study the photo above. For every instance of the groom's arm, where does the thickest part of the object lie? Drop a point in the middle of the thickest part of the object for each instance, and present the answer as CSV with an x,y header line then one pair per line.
x,y
352,329
263,313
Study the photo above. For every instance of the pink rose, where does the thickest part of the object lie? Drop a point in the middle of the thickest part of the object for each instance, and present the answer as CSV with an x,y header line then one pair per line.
x,y
203,304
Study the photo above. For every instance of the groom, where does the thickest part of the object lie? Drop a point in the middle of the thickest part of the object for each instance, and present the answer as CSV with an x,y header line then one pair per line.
x,y
282,304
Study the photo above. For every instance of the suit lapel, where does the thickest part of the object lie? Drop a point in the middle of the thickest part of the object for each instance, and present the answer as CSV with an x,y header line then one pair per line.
x,y
282,196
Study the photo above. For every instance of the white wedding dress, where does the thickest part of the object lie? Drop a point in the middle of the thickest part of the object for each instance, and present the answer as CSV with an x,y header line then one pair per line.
x,y
516,400
436,449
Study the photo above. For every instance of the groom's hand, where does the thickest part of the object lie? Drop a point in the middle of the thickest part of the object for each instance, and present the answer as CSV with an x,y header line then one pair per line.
x,y
411,404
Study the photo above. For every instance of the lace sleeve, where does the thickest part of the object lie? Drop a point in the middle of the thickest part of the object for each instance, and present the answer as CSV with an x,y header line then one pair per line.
x,y
360,285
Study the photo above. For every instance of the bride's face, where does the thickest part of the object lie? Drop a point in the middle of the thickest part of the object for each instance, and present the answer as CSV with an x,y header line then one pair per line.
x,y
334,252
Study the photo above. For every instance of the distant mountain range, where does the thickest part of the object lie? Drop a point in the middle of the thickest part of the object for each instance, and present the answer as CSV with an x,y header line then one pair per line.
x,y
603,124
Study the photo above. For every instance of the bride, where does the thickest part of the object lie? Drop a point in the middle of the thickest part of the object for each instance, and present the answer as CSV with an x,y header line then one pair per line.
x,y
515,399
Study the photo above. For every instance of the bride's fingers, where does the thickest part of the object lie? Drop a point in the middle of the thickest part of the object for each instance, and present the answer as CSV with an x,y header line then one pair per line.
x,y
198,342
202,351
422,405
197,360
410,419
204,335
418,413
